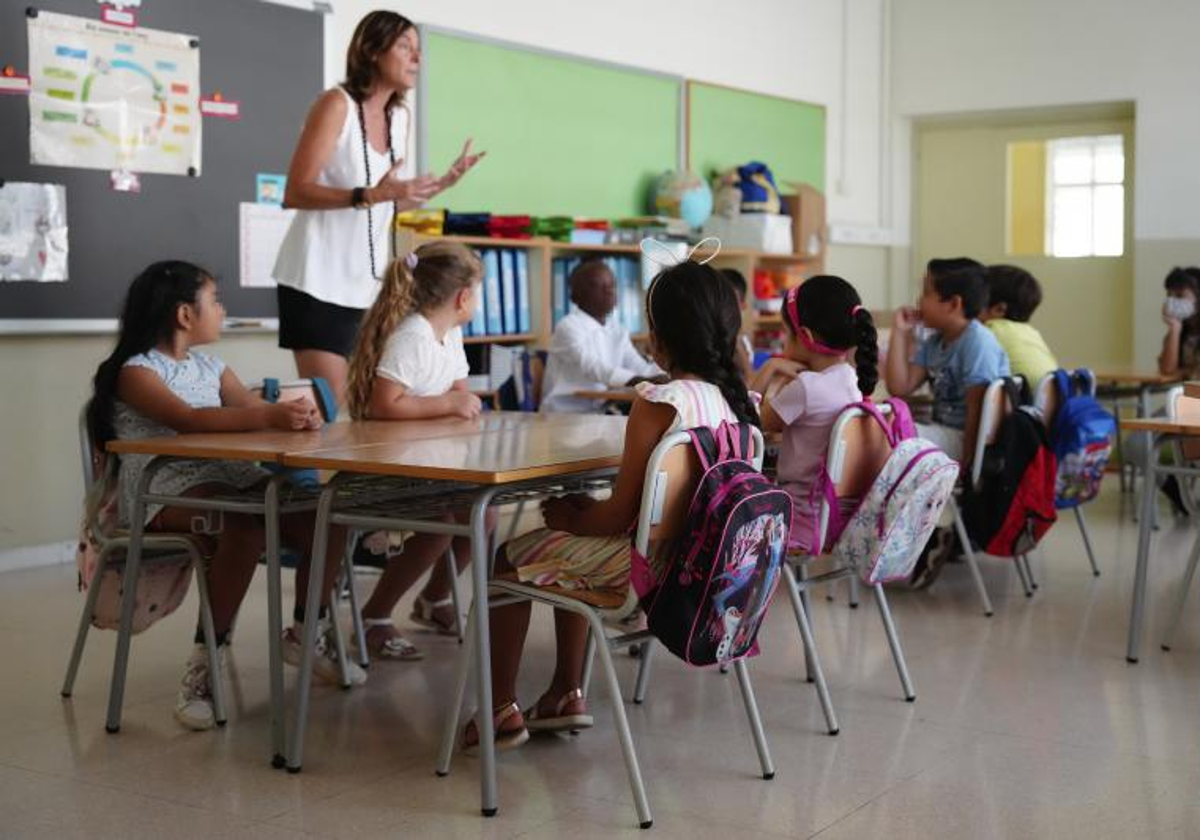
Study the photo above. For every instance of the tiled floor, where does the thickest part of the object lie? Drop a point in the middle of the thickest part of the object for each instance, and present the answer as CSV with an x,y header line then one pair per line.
x,y
1029,724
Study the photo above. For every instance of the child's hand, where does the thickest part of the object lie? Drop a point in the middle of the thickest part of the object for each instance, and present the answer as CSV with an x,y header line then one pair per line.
x,y
293,416
781,366
464,404
1170,320
906,318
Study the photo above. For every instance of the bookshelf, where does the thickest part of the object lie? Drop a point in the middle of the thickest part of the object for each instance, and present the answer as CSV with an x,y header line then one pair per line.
x,y
542,252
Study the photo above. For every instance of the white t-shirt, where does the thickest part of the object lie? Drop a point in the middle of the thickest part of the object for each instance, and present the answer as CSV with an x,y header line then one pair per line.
x,y
586,355
415,359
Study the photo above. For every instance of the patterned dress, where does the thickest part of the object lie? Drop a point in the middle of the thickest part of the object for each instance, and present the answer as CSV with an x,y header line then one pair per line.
x,y
546,557
195,379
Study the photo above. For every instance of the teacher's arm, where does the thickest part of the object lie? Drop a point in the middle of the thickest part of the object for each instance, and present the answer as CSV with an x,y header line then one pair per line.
x,y
317,142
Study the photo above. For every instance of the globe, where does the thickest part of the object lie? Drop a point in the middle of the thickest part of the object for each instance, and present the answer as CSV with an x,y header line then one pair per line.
x,y
683,195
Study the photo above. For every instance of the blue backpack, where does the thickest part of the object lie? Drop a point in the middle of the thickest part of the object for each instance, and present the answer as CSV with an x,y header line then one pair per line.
x,y
1082,439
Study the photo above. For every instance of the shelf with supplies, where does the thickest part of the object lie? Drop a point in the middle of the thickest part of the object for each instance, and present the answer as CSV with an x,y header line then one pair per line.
x,y
526,279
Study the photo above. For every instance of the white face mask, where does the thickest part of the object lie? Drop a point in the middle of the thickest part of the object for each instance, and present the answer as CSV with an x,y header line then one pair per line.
x,y
1178,308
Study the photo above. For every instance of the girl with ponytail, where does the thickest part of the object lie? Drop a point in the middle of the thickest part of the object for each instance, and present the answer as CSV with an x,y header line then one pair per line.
x,y
826,326
694,319
409,364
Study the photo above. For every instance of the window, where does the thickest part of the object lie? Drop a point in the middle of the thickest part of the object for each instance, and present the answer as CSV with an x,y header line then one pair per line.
x,y
1085,196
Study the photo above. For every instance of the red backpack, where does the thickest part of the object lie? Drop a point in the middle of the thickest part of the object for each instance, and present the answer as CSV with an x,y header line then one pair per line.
x,y
1013,505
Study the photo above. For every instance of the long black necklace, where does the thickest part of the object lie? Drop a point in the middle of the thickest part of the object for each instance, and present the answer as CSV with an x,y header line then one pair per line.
x,y
362,124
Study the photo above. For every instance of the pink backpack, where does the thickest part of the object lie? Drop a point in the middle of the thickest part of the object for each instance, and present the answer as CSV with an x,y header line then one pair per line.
x,y
884,535
161,587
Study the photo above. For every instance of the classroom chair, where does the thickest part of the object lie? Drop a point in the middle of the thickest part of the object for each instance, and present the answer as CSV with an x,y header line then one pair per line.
x,y
996,406
858,449
1187,454
1047,399
157,548
671,477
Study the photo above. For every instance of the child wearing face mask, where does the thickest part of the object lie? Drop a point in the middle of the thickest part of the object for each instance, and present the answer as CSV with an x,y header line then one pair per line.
x,y
1181,344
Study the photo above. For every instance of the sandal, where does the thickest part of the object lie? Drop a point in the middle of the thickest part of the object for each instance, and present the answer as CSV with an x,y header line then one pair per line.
x,y
424,613
506,739
393,646
560,721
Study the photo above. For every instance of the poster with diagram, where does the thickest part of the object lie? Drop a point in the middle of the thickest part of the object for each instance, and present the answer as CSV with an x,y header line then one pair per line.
x,y
113,97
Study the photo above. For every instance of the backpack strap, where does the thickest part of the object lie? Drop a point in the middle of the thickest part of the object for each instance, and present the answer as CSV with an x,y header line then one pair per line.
x,y
902,422
270,388
326,402
705,446
868,407
1017,394
1065,382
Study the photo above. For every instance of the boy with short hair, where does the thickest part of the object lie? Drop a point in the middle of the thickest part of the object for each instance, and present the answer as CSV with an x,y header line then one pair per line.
x,y
589,352
1013,296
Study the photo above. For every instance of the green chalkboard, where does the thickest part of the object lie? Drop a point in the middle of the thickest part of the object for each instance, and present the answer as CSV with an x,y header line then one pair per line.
x,y
728,127
563,135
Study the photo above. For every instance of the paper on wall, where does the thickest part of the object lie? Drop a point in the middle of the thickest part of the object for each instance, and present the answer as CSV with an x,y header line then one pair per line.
x,y
261,228
113,97
33,232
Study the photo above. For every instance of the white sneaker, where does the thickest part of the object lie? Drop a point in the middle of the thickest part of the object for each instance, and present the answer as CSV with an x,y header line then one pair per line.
x,y
325,664
194,705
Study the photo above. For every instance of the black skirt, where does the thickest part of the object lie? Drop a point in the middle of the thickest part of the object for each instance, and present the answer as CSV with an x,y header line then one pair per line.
x,y
306,323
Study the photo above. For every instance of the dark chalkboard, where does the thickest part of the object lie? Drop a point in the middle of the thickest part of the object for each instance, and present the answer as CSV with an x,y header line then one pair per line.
x,y
267,56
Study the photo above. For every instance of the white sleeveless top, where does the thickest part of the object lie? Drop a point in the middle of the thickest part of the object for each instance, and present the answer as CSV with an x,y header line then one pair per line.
x,y
325,252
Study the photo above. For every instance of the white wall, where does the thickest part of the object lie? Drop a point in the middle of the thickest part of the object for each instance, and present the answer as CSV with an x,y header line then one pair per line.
x,y
956,56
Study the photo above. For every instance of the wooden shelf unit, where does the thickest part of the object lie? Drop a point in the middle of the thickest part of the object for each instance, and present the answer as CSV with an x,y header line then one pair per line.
x,y
542,251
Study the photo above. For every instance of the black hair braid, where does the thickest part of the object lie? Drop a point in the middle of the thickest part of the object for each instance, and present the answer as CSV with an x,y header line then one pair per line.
x,y
866,352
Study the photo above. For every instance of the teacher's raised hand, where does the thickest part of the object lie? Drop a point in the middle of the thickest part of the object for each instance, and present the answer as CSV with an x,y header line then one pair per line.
x,y
463,164
405,193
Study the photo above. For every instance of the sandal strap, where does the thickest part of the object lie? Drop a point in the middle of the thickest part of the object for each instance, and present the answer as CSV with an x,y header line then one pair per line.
x,y
448,601
570,697
377,622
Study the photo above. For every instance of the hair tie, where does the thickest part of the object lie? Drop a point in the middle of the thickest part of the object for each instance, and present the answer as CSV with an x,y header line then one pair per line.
x,y
411,259
854,310
791,302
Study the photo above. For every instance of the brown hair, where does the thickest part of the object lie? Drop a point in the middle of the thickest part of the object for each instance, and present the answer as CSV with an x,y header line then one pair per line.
x,y
374,35
442,270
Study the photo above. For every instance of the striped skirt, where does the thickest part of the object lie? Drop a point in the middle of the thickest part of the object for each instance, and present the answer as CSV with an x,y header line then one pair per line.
x,y
556,558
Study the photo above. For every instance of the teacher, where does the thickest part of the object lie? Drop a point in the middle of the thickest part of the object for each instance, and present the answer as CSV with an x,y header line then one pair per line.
x,y
348,177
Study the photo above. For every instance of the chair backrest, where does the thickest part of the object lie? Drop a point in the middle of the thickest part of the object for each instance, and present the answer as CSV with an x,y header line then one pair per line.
x,y
1185,408
672,474
87,452
858,449
996,406
1048,399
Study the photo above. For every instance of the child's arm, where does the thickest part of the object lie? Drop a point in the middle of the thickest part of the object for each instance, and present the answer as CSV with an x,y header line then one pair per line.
x,y
771,421
144,391
901,376
974,400
391,401
777,366
1168,359
648,422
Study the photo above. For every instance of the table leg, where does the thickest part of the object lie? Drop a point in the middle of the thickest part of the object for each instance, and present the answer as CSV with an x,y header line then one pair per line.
x,y
480,567
1145,526
312,620
275,625
133,561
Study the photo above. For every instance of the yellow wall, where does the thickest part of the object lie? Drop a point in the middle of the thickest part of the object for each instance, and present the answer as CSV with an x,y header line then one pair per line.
x,y
1027,197
960,201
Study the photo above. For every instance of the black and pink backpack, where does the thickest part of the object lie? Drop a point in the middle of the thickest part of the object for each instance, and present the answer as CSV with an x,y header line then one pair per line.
x,y
709,603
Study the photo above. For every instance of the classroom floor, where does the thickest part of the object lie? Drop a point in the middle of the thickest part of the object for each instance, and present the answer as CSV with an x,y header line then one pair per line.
x,y
1029,724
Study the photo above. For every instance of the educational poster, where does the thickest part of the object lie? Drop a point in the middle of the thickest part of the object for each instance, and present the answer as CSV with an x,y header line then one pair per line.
x,y
261,229
112,97
33,232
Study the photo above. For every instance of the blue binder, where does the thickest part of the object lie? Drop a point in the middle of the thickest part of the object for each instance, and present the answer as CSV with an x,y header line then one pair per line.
x,y
493,301
508,292
524,307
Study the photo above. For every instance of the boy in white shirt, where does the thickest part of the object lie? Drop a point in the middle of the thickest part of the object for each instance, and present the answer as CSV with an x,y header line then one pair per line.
x,y
589,352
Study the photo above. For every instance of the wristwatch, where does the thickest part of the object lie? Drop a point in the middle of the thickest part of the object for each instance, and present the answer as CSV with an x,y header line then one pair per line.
x,y
358,198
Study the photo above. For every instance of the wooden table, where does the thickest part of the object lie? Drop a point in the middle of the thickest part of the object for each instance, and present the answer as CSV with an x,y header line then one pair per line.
x,y
522,453
1191,389
270,447
1158,429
